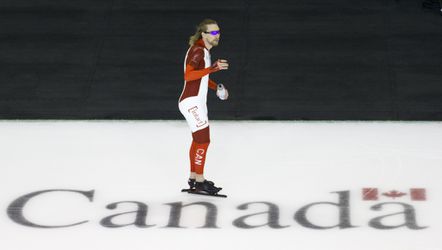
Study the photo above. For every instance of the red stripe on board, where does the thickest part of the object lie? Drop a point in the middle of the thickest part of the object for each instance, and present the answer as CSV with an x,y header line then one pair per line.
x,y
418,194
370,194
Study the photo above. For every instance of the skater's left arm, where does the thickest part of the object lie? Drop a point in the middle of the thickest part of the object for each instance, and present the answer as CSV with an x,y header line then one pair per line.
x,y
212,84
221,91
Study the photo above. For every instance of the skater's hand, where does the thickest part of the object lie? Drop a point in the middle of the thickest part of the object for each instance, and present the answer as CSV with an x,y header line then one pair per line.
x,y
222,64
222,92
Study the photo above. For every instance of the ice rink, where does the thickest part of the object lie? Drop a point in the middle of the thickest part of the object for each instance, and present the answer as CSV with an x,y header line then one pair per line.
x,y
115,185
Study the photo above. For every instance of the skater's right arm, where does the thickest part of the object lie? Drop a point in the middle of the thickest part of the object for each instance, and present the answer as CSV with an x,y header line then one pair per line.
x,y
194,74
195,58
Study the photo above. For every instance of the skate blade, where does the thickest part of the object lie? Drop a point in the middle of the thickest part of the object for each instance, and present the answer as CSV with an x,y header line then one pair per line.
x,y
187,190
203,193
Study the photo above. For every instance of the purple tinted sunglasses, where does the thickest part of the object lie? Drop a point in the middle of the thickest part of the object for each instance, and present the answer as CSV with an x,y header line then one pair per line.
x,y
213,33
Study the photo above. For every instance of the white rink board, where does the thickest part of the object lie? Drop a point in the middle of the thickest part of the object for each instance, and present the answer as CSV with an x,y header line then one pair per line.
x,y
289,165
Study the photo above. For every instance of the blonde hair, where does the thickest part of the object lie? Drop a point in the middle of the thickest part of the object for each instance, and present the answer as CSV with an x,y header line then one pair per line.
x,y
202,27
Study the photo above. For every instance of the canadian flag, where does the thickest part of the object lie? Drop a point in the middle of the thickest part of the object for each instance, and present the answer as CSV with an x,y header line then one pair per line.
x,y
373,194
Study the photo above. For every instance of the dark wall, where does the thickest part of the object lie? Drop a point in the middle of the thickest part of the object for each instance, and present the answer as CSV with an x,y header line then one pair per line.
x,y
290,59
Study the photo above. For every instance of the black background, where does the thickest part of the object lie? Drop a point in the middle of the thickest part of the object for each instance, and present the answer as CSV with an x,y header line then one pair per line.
x,y
297,59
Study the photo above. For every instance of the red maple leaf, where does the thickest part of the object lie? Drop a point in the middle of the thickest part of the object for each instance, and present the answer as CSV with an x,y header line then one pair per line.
x,y
394,194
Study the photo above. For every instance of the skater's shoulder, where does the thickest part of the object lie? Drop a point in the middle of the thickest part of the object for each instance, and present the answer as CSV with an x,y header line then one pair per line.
x,y
196,50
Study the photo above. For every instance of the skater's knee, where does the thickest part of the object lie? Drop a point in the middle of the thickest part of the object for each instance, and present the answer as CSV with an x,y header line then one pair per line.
x,y
202,136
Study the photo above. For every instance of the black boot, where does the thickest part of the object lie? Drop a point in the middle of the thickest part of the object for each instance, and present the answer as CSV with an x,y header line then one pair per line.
x,y
207,187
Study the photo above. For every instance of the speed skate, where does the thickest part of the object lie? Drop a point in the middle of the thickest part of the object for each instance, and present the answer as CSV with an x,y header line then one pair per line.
x,y
194,191
203,188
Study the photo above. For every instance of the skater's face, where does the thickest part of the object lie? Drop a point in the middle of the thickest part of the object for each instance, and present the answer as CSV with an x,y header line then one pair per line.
x,y
212,35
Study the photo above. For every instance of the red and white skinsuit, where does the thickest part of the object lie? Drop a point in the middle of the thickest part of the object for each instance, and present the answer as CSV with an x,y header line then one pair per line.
x,y
193,101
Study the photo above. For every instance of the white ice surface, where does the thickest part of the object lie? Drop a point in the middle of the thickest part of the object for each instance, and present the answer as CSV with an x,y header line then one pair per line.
x,y
290,164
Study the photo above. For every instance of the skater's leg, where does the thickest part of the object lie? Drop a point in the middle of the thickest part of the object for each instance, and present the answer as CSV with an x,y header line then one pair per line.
x,y
198,154
195,113
200,160
201,139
